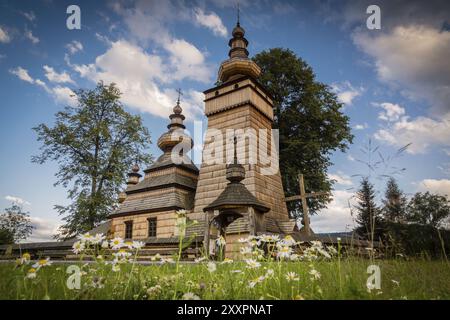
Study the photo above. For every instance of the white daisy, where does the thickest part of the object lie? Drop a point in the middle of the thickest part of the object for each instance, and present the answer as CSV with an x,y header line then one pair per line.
x,y
31,274
252,264
211,267
284,252
116,243
138,245
292,276
78,247
190,296
198,260
315,274
220,241
42,263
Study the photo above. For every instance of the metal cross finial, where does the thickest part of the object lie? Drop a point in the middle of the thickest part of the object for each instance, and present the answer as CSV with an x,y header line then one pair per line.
x,y
235,150
179,95
238,13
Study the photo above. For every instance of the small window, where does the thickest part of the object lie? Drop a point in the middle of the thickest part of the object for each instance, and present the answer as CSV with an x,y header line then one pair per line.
x,y
152,227
236,86
217,92
128,229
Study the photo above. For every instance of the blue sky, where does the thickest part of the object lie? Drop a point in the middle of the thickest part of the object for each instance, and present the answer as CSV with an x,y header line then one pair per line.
x,y
394,82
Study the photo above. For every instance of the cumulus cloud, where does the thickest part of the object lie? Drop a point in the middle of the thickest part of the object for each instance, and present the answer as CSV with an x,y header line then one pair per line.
x,y
413,58
337,217
18,200
29,35
60,94
44,229
422,132
139,74
53,76
391,111
211,21
346,93
4,36
74,46
439,186
22,74
361,126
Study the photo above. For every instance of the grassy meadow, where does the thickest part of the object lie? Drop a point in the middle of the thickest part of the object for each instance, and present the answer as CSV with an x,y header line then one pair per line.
x,y
317,272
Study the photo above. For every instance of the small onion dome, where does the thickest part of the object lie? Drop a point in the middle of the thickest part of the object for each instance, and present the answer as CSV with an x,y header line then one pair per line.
x,y
135,168
171,138
177,109
122,197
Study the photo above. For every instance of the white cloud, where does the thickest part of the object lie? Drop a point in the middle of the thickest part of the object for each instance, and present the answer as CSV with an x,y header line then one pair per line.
x,y
29,35
4,36
346,93
422,132
22,74
74,46
17,200
53,76
337,217
44,229
29,15
211,21
138,74
414,57
361,126
441,186
341,178
64,95
392,112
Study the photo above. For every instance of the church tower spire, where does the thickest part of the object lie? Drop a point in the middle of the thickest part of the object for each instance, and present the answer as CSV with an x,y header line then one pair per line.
x,y
239,64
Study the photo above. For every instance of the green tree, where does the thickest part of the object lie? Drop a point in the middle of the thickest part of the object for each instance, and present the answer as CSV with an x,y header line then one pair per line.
x,y
95,143
15,224
6,237
310,122
428,209
368,214
394,203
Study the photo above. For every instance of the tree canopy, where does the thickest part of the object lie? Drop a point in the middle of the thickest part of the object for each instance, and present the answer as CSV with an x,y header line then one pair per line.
x,y
95,143
310,122
15,224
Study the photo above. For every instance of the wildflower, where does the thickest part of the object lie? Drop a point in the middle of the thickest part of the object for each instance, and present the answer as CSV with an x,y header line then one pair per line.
x,y
294,257
31,273
288,241
254,282
181,213
227,260
332,250
128,244
211,267
154,291
190,296
138,245
156,257
269,273
166,260
98,238
338,239
105,244
115,267
42,263
315,274
252,264
395,282
324,253
220,241
246,250
292,276
86,237
284,252
243,240
78,247
198,260
25,258
116,243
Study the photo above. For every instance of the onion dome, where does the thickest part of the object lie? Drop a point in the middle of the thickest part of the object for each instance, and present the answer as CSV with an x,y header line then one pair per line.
x,y
238,64
176,132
